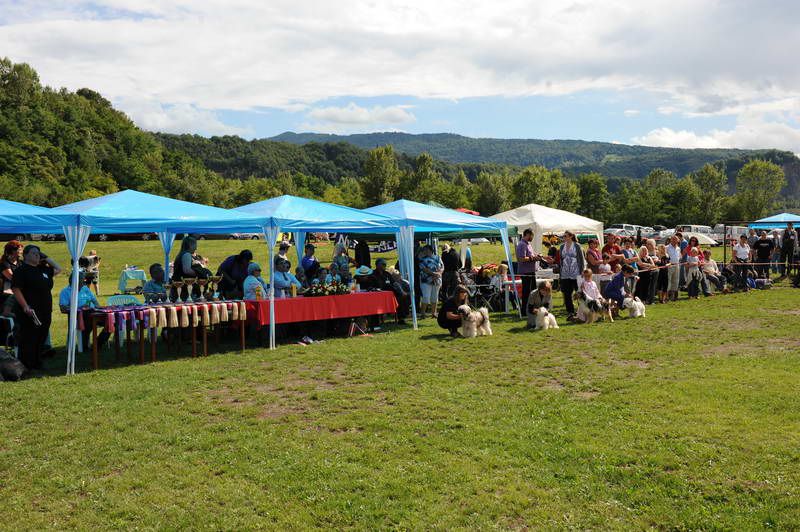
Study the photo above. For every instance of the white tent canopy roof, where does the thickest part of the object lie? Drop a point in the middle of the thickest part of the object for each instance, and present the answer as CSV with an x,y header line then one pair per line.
x,y
543,220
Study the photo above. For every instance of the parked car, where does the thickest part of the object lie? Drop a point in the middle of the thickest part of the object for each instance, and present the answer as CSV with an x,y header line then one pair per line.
x,y
732,232
22,237
629,229
616,231
247,236
700,229
208,236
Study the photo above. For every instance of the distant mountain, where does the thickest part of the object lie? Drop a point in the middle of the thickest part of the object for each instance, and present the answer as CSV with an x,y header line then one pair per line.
x,y
573,156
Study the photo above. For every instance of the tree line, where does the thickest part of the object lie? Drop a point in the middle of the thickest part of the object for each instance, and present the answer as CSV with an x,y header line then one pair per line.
x,y
58,146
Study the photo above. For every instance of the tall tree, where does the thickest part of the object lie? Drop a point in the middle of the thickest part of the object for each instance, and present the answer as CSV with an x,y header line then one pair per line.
x,y
595,200
757,186
713,184
382,176
493,193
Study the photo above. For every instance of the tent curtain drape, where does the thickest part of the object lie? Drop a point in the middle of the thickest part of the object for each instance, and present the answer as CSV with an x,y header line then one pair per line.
x,y
166,238
405,251
76,237
300,244
507,249
271,238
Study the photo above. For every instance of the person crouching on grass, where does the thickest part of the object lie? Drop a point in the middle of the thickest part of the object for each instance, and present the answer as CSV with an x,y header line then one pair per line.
x,y
616,288
448,317
541,297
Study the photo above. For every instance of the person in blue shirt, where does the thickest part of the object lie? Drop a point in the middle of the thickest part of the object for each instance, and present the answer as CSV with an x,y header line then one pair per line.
x,y
309,262
284,279
153,289
254,283
615,289
86,300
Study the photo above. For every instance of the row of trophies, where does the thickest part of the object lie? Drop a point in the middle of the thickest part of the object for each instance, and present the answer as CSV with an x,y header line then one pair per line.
x,y
207,291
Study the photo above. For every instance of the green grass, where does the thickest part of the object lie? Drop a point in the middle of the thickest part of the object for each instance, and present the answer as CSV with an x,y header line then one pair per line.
x,y
687,419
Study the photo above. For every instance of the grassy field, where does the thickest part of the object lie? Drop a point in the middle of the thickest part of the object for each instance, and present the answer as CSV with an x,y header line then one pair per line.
x,y
687,419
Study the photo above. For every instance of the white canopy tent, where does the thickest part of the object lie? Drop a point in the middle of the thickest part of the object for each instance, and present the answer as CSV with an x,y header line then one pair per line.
x,y
544,220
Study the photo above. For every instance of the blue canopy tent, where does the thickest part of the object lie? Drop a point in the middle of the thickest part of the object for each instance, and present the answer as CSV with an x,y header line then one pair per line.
x,y
23,218
131,211
777,221
301,216
412,217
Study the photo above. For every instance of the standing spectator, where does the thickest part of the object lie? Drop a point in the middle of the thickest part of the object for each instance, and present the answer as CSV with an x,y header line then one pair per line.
x,y
310,263
430,273
613,251
646,267
788,247
94,269
775,258
752,236
12,258
362,254
571,263
452,263
741,255
283,251
693,274
594,256
234,271
761,252
631,259
674,273
662,284
32,285
526,259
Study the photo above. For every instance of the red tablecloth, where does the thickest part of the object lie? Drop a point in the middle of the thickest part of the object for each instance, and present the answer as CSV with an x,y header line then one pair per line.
x,y
323,308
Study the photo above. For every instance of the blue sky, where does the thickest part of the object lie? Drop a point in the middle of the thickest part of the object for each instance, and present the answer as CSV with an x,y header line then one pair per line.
x,y
664,72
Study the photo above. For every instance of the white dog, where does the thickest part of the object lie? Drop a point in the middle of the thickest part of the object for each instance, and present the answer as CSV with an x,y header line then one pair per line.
x,y
545,320
593,309
635,307
475,322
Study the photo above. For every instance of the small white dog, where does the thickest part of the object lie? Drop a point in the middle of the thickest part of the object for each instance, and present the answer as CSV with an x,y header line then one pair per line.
x,y
635,307
593,309
475,322
545,320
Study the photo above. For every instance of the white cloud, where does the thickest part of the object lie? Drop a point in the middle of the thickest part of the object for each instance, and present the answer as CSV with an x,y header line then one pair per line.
x,y
631,112
751,131
353,114
179,118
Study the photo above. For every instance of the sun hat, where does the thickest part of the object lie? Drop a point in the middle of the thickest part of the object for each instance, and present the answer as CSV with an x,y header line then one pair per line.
x,y
363,270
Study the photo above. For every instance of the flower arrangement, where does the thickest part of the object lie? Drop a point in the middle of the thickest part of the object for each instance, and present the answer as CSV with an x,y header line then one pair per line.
x,y
328,289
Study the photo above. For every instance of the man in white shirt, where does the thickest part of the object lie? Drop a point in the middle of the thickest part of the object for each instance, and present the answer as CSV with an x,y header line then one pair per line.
x,y
674,271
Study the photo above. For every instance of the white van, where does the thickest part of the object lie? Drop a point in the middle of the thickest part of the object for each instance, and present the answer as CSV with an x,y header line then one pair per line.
x,y
732,232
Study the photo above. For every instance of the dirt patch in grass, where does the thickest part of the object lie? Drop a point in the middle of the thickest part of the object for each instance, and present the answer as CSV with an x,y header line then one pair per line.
x,y
643,364
587,394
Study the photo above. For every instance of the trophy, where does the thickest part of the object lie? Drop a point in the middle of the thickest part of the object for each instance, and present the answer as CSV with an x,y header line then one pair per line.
x,y
168,288
213,285
177,285
189,283
202,284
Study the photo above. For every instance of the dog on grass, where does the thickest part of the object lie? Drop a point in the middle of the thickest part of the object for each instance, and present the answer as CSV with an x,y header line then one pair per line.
x,y
545,320
593,309
635,307
474,322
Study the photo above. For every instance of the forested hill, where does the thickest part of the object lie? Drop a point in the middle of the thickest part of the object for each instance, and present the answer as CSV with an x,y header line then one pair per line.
x,y
573,156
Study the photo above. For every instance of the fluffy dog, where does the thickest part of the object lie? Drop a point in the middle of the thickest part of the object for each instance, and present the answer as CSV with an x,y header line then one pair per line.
x,y
635,307
545,320
475,322
593,309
